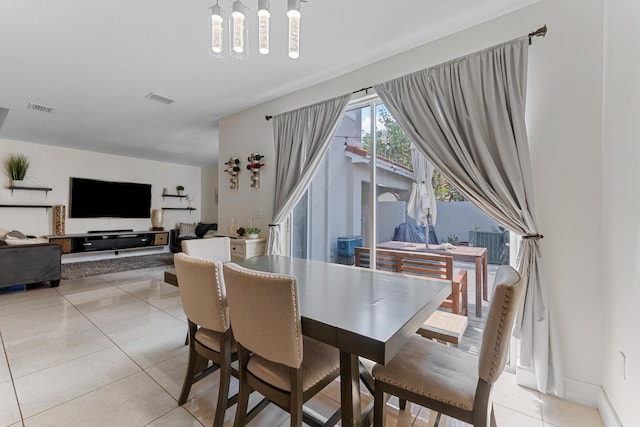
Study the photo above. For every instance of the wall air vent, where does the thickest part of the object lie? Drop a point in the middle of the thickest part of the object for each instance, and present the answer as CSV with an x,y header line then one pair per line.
x,y
159,98
38,107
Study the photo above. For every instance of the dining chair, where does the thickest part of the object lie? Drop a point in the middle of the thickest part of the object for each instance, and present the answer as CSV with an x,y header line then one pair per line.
x,y
447,379
215,248
274,358
203,295
422,264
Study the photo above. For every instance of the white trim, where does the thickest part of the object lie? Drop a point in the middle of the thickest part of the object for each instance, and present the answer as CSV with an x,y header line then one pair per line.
x,y
578,392
607,413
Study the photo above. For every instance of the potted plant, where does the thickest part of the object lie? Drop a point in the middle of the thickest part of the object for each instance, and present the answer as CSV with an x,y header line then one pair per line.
x,y
16,166
179,189
253,232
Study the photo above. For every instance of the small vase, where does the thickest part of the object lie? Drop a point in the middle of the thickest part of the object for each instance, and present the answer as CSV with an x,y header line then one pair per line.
x,y
156,218
17,182
252,236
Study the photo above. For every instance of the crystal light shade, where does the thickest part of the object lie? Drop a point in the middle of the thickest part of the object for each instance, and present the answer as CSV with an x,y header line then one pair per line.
x,y
263,26
239,34
217,31
294,28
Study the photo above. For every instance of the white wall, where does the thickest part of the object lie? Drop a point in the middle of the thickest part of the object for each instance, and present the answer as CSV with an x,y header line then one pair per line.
x,y
565,129
209,184
621,207
52,167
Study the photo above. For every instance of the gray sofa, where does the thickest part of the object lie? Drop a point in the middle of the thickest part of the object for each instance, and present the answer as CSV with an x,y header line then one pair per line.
x,y
31,263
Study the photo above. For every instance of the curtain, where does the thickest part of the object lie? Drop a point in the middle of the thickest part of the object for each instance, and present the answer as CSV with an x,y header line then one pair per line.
x,y
301,139
468,117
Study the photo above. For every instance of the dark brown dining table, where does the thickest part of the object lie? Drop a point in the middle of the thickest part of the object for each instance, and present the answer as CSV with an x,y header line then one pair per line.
x,y
364,313
478,255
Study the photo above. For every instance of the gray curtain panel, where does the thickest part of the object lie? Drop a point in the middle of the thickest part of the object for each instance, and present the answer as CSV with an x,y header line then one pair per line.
x,y
301,140
468,117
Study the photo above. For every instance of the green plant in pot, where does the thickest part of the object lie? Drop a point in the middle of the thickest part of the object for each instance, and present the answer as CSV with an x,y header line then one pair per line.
x,y
252,232
179,189
17,166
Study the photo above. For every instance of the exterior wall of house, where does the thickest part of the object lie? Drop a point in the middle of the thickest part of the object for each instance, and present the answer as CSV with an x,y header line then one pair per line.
x,y
53,166
621,208
564,113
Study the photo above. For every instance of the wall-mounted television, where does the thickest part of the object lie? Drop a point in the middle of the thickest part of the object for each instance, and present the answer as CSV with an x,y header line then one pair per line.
x,y
91,198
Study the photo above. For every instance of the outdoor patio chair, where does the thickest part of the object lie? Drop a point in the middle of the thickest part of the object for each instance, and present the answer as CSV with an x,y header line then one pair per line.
x,y
447,379
275,359
202,290
422,264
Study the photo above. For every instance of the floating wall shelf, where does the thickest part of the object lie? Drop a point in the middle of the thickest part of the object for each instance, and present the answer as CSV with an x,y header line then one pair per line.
x,y
45,189
26,206
178,209
181,196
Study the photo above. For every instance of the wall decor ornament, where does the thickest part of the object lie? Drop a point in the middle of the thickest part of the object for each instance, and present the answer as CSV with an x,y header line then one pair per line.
x,y
233,169
254,166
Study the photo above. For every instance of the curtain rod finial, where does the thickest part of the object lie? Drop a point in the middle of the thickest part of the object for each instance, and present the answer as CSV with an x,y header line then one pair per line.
x,y
540,32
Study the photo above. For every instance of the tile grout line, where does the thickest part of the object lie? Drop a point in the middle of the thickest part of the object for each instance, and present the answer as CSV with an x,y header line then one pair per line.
x,y
13,384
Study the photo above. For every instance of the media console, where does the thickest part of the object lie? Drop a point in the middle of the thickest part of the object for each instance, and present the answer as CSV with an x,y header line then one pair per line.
x,y
110,241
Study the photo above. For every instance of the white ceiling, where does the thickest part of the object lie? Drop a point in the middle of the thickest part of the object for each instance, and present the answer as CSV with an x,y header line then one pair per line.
x,y
94,62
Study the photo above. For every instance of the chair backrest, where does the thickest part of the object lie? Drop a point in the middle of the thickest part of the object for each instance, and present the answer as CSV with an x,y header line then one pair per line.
x,y
418,263
508,289
264,313
215,248
203,293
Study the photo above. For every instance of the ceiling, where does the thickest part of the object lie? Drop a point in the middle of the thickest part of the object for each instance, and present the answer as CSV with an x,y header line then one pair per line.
x,y
93,63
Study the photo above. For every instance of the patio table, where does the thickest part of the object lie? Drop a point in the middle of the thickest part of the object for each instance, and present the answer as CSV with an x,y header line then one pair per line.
x,y
477,255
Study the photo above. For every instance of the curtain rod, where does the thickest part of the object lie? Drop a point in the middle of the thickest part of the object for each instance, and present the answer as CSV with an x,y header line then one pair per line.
x,y
540,32
364,89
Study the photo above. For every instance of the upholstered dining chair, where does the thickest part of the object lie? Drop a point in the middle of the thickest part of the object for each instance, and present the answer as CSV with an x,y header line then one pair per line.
x,y
203,295
447,379
275,359
215,248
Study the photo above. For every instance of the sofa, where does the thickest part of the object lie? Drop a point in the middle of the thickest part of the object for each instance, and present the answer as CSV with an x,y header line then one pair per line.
x,y
188,231
30,263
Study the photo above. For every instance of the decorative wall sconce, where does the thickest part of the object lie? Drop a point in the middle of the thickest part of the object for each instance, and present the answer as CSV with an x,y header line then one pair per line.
x,y
233,169
254,166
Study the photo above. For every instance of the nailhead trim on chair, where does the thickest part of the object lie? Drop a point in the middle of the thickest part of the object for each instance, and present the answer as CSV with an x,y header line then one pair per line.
x,y
220,297
427,394
500,332
296,315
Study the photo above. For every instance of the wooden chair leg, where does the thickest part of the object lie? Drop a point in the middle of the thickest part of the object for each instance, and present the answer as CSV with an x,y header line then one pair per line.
x,y
402,404
244,388
455,298
192,367
223,392
378,405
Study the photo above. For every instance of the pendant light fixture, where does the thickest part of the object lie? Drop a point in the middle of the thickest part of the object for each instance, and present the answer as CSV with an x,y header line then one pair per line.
x,y
264,14
217,31
239,34
236,35
293,12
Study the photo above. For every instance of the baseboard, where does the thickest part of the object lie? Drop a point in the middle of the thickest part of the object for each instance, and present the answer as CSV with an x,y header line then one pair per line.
x,y
607,413
578,392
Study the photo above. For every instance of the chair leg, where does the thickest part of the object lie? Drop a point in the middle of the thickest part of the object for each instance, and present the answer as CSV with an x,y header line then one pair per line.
x,y
244,388
223,391
378,405
455,298
192,368
295,398
403,404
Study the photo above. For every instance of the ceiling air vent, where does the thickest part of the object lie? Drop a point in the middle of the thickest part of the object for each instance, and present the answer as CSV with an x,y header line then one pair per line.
x,y
155,97
38,107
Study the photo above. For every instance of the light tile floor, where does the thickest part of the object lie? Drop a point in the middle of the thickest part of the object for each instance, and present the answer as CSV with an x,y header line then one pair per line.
x,y
109,351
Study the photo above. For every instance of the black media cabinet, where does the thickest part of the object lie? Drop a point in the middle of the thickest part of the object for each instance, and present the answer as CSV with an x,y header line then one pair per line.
x,y
110,241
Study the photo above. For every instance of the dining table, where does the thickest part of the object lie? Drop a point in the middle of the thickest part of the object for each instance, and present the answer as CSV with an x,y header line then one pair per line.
x,y
476,254
364,313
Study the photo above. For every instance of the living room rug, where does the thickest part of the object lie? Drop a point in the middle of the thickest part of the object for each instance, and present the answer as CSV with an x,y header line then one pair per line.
x,y
77,270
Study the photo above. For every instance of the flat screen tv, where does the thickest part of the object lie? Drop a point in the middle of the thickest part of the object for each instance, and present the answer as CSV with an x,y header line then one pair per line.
x,y
91,198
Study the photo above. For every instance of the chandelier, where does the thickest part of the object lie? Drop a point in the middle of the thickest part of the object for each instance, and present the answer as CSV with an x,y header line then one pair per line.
x,y
236,33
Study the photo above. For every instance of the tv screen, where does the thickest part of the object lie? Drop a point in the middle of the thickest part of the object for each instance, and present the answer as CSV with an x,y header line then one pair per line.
x,y
90,198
